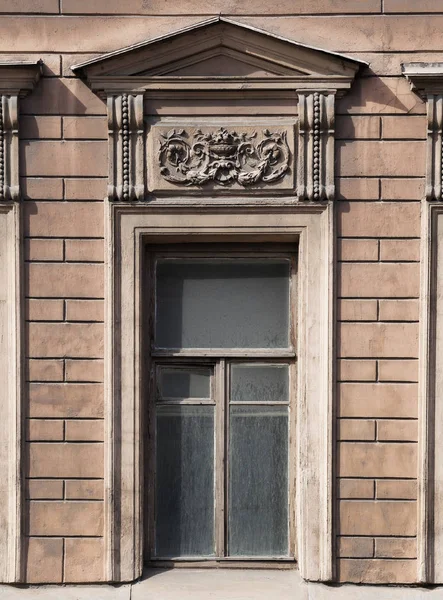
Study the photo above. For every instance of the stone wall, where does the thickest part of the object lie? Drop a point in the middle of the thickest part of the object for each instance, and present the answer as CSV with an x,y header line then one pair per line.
x,y
381,131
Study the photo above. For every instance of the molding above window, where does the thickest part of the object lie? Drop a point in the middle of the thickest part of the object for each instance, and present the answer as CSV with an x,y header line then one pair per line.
x,y
214,60
17,79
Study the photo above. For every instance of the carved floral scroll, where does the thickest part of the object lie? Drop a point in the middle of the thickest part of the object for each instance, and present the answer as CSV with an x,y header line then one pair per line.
x,y
223,157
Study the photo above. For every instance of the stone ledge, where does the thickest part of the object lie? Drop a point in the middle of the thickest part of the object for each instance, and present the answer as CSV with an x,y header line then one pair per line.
x,y
201,584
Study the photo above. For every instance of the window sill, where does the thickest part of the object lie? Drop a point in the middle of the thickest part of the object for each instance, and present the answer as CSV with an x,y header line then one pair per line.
x,y
220,584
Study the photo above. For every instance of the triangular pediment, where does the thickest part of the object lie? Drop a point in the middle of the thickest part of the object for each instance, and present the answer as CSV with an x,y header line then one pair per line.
x,y
219,48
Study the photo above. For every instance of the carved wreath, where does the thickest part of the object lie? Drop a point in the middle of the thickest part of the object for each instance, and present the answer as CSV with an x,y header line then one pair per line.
x,y
223,157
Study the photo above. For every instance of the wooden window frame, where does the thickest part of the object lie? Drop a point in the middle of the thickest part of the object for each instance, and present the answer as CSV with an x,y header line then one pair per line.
x,y
220,360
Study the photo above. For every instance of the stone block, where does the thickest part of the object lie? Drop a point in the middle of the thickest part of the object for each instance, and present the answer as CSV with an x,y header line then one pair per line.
x,y
85,250
357,250
404,127
68,158
399,310
64,219
65,518
44,310
72,400
397,431
41,188
379,280
402,189
44,430
62,280
84,489
400,250
65,460
355,547
360,459
85,310
85,189
386,159
84,431
76,340
356,429
84,370
396,489
41,128
357,310
378,219
44,560
377,571
354,188
357,488
382,400
398,370
357,127
30,6
44,489
377,340
378,518
84,560
87,128
190,7
43,250
45,370
409,7
396,548
357,370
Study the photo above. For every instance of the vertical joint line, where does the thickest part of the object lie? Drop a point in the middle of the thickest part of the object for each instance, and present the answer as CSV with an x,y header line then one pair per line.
x,y
316,160
125,139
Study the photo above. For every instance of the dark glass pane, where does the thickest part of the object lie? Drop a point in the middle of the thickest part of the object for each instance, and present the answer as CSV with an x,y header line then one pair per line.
x,y
185,382
222,304
259,383
258,481
185,481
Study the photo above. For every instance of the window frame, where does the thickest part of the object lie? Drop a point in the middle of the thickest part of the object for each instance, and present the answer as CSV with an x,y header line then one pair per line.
x,y
130,227
221,361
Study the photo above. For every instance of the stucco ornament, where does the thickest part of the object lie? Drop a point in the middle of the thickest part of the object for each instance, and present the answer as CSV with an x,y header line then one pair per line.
x,y
223,157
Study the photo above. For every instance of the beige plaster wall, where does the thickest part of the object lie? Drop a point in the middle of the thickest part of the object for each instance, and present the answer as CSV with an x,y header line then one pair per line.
x,y
381,131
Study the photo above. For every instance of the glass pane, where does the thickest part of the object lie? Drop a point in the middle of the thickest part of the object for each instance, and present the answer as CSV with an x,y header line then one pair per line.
x,y
259,383
258,481
183,383
185,481
222,304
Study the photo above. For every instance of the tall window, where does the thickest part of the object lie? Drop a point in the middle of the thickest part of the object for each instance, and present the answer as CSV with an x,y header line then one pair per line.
x,y
221,412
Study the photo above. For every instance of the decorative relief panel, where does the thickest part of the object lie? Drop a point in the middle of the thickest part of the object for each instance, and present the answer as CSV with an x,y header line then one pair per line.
x,y
191,159
223,157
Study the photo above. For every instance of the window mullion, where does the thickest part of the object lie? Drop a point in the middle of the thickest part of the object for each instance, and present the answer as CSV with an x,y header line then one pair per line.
x,y
220,458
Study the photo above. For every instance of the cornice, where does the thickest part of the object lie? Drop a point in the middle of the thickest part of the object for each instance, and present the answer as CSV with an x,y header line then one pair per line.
x,y
19,78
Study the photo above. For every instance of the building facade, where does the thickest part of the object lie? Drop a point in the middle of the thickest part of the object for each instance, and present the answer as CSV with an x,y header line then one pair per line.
x,y
221,289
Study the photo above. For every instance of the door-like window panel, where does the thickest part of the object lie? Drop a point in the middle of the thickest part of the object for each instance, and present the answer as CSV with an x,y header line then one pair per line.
x,y
222,415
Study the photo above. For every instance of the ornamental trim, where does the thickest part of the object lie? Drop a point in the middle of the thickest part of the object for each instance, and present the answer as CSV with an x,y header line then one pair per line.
x,y
223,157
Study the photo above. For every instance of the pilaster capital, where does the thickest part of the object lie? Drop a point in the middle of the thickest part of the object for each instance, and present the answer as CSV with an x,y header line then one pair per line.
x,y
17,79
